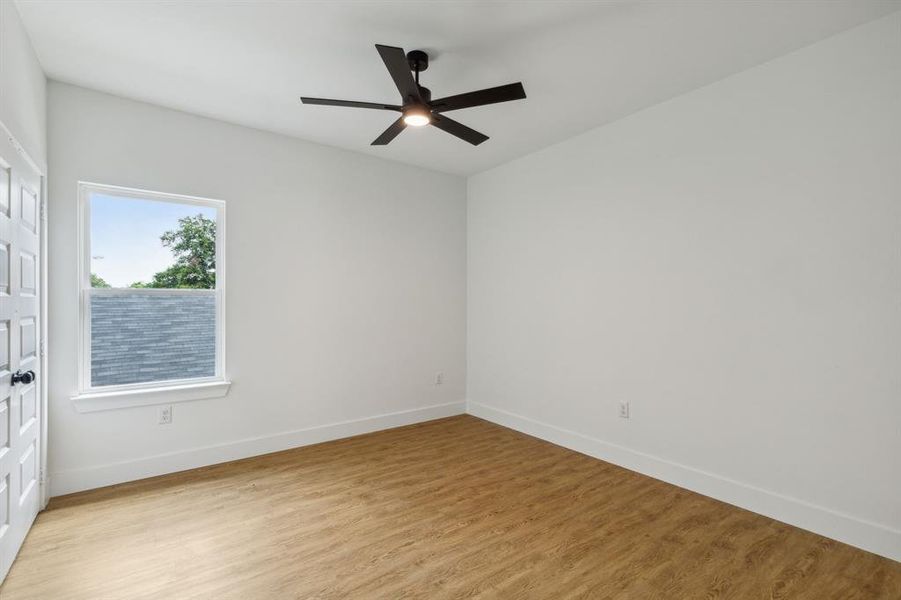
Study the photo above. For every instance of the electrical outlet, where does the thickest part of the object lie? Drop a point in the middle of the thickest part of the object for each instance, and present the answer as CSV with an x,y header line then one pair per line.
x,y
624,410
165,415
439,378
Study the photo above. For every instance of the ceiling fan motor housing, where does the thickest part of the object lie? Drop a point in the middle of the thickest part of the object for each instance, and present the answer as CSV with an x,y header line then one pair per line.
x,y
419,60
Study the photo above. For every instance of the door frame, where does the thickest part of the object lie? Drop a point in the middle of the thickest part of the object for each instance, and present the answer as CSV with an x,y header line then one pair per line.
x,y
43,438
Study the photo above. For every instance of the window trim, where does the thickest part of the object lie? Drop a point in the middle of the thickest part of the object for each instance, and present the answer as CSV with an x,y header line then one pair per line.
x,y
90,398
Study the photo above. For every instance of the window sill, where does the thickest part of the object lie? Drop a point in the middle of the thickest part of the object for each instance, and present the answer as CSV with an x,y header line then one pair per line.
x,y
97,401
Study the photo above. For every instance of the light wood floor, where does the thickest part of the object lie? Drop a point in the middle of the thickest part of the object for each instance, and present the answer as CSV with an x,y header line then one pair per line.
x,y
455,508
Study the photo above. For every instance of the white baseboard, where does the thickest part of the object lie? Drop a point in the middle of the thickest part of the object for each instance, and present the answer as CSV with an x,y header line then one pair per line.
x,y
851,530
77,480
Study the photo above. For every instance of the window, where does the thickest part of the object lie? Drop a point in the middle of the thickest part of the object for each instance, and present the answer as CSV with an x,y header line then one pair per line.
x,y
152,281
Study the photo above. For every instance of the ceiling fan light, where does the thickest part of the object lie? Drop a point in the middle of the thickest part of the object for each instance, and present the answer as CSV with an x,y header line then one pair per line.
x,y
417,118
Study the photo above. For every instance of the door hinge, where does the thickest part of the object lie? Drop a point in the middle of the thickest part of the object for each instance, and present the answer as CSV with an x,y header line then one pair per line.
x,y
43,347
43,211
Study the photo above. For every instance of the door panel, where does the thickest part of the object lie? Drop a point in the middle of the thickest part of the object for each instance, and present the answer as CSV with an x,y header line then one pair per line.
x,y
29,271
4,427
4,189
29,407
20,403
28,473
4,349
28,333
29,212
4,268
4,507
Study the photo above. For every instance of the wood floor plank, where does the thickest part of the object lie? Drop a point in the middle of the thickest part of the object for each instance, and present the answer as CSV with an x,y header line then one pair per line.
x,y
454,508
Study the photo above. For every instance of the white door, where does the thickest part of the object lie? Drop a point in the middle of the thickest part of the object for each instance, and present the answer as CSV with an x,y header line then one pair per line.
x,y
20,372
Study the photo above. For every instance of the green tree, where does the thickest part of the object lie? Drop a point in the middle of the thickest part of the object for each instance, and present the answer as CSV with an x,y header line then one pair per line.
x,y
193,245
98,282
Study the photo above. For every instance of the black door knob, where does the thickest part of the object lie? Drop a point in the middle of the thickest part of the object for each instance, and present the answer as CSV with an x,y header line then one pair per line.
x,y
20,377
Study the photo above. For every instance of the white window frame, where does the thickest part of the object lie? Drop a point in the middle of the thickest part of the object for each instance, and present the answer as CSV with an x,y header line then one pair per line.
x,y
90,398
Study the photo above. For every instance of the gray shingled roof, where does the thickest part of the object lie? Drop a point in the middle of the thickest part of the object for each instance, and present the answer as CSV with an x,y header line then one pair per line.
x,y
145,336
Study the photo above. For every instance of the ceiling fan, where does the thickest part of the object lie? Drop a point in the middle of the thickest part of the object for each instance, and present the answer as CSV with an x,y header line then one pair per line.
x,y
417,107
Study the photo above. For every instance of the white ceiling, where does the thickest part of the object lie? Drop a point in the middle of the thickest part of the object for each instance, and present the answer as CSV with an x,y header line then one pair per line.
x,y
583,63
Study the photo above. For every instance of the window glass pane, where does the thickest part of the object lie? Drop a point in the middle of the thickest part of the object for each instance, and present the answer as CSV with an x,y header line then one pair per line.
x,y
144,336
148,243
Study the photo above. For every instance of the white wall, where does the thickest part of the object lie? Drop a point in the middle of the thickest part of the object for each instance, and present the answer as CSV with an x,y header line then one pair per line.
x,y
346,288
729,262
23,87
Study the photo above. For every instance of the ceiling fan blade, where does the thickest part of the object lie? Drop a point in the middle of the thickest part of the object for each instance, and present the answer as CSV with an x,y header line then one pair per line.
x,y
399,67
501,93
389,134
349,103
459,129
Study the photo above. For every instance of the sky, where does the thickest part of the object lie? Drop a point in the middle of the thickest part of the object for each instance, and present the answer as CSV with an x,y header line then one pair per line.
x,y
125,236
